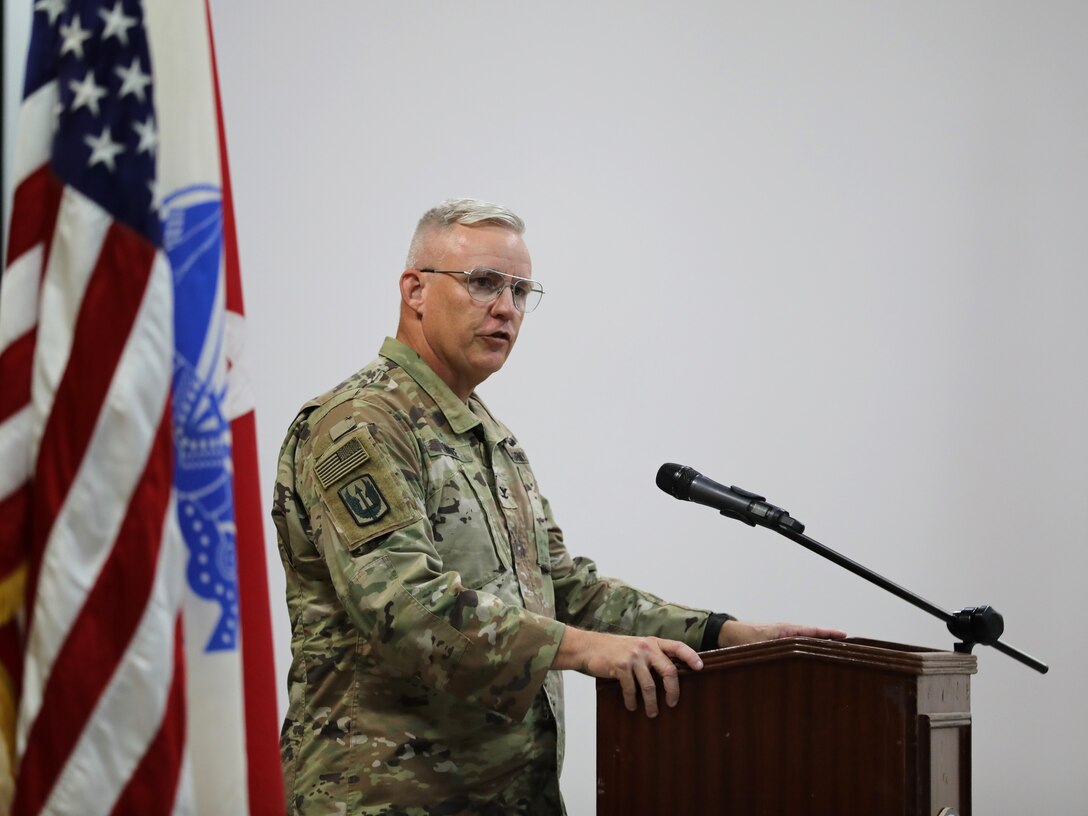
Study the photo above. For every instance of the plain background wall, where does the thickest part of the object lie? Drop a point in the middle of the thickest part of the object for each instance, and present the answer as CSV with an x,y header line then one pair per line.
x,y
830,252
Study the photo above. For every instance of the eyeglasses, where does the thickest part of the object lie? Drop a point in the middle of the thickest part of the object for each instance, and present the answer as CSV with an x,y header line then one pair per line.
x,y
485,285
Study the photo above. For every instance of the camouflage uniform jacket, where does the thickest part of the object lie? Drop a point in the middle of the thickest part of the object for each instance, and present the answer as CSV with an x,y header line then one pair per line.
x,y
428,589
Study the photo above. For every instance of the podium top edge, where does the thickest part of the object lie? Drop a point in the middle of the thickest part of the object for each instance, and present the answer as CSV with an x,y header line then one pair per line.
x,y
897,657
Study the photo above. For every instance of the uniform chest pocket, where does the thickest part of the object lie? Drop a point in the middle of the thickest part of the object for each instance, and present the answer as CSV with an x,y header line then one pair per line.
x,y
466,523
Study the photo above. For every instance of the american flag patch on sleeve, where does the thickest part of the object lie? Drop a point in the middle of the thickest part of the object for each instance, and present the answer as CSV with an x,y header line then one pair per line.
x,y
338,463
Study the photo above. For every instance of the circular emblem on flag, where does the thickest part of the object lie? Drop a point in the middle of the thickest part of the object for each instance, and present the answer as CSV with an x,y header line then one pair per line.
x,y
192,220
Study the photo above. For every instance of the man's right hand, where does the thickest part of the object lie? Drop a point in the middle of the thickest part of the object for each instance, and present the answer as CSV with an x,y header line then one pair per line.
x,y
631,660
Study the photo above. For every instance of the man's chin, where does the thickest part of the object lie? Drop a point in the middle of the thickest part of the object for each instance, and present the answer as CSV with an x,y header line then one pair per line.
x,y
492,359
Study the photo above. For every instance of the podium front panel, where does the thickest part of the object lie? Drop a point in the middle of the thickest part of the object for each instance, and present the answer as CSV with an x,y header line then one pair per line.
x,y
792,727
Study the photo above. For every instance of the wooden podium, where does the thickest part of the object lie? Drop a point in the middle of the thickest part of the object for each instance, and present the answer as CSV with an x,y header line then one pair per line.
x,y
794,727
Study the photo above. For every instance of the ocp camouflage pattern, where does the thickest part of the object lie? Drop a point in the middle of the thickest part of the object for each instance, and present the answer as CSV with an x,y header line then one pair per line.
x,y
428,588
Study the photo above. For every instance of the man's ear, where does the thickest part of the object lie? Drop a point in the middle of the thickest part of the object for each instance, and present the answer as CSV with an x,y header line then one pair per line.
x,y
411,289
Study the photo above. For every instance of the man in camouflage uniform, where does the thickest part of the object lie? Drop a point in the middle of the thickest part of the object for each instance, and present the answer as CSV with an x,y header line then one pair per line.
x,y
431,597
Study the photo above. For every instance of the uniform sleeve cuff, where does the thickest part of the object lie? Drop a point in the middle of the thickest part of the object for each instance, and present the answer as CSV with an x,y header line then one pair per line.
x,y
712,630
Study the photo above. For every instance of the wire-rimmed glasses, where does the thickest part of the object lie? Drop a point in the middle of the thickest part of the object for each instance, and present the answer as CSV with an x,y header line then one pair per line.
x,y
485,285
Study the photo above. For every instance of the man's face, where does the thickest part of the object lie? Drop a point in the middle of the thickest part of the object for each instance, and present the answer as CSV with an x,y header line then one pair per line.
x,y
468,341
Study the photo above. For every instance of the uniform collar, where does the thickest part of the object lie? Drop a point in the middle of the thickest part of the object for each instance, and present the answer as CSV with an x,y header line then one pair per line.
x,y
457,414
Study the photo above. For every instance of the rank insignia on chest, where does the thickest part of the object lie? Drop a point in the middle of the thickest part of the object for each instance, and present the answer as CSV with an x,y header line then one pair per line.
x,y
364,500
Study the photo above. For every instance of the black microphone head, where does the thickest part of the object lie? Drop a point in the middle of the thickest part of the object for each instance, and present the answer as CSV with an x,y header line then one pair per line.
x,y
676,479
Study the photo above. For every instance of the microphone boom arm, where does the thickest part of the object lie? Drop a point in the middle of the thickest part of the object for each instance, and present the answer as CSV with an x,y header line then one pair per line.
x,y
972,625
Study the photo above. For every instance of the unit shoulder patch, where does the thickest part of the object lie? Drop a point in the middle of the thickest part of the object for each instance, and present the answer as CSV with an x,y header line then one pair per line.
x,y
364,500
363,493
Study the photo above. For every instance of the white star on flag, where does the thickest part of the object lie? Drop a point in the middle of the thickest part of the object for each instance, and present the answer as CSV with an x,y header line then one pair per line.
x,y
87,93
156,196
103,149
149,137
117,24
74,36
133,80
54,8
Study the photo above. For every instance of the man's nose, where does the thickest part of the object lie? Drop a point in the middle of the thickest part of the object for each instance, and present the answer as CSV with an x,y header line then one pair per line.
x,y
504,303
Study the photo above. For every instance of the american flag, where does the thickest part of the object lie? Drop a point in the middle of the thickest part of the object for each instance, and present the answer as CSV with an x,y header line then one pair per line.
x,y
131,554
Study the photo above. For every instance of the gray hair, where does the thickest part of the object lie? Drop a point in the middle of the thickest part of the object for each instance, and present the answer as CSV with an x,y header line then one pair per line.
x,y
470,212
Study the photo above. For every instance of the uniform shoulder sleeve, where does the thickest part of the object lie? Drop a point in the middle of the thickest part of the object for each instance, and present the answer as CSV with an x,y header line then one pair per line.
x,y
364,469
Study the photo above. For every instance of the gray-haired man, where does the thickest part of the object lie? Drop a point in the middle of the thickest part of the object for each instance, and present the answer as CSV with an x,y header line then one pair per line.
x,y
432,599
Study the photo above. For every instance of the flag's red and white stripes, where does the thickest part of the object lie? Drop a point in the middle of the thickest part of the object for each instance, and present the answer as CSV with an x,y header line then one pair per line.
x,y
88,348
88,503
34,209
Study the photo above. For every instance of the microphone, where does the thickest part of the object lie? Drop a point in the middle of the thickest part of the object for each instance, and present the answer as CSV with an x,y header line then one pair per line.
x,y
689,484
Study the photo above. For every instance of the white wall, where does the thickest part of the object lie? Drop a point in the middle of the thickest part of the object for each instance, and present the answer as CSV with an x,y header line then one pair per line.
x,y
832,252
